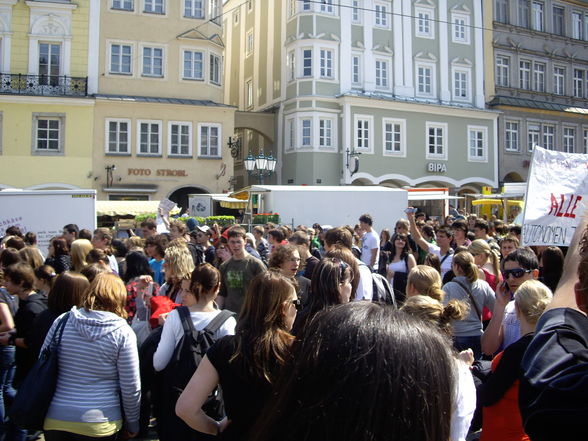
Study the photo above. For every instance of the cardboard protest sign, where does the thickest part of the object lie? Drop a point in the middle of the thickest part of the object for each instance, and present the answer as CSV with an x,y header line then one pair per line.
x,y
557,193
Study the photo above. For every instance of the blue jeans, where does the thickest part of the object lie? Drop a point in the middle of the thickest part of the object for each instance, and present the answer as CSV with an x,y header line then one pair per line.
x,y
7,369
473,343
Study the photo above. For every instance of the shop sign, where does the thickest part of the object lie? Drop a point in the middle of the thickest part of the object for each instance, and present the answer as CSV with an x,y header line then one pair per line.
x,y
436,167
156,172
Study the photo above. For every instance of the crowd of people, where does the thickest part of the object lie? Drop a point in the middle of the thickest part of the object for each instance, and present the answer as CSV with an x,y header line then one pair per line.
x,y
287,335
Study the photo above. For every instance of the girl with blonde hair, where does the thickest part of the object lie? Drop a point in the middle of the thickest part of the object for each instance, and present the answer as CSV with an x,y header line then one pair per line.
x,y
79,251
487,260
467,287
499,393
424,280
178,266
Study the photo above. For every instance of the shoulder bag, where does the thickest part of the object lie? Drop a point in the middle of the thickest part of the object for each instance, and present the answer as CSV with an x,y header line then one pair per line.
x,y
472,301
34,396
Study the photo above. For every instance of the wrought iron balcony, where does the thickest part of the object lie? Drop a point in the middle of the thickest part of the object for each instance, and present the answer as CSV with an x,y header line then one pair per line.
x,y
43,85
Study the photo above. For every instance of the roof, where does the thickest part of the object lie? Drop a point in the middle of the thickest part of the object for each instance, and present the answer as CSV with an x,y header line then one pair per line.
x,y
160,100
534,104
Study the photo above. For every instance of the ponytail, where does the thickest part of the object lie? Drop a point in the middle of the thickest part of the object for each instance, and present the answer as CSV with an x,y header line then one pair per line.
x,y
426,281
465,262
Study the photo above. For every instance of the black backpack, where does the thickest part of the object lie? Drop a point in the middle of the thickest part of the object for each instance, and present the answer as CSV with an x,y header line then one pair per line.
x,y
382,291
187,355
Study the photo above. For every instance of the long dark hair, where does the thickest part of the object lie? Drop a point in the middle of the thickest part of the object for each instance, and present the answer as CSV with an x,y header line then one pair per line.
x,y
137,265
362,372
405,250
263,341
67,291
326,278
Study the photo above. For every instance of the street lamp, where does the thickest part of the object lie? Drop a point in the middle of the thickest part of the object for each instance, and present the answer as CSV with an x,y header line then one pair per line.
x,y
260,166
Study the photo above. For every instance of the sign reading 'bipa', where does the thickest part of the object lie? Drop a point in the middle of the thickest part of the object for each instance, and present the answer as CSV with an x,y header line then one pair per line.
x,y
557,194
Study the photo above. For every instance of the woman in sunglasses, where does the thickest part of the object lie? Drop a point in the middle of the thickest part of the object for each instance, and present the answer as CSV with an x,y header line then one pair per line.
x,y
330,286
401,262
246,364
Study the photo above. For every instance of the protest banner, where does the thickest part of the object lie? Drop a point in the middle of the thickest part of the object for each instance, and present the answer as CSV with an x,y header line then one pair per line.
x,y
557,191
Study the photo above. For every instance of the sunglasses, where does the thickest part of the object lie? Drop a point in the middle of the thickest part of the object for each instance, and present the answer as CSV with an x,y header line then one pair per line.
x,y
517,273
297,304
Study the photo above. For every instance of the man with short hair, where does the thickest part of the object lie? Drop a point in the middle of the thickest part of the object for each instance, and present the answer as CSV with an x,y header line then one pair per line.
x,y
237,272
148,228
70,232
262,245
302,242
275,238
503,330
155,249
442,248
370,242
202,235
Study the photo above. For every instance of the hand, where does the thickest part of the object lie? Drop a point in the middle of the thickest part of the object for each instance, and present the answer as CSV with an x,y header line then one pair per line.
x,y
466,356
144,282
162,318
502,294
125,434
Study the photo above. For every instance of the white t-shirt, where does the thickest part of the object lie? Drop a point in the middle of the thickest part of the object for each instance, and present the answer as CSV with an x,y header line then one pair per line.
x,y
464,402
445,264
370,241
365,288
173,331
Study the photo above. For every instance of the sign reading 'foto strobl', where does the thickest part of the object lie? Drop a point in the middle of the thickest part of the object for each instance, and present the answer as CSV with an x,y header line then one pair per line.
x,y
557,193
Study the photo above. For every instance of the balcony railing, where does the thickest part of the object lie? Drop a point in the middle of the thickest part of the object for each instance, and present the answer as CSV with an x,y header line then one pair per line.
x,y
43,85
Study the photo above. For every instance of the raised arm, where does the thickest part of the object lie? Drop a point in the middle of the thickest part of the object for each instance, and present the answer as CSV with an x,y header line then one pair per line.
x,y
416,234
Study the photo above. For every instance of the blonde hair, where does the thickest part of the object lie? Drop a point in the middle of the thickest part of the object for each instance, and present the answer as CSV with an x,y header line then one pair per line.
x,y
531,298
427,281
433,311
465,262
107,292
179,263
134,242
31,256
480,246
79,251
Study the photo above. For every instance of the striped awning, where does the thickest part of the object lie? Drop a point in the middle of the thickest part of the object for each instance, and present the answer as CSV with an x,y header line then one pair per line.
x,y
229,202
128,208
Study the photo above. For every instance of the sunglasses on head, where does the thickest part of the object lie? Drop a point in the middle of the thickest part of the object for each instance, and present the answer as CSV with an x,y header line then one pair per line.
x,y
517,273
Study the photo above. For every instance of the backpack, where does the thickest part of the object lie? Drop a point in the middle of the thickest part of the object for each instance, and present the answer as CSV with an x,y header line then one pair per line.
x,y
187,355
382,291
197,253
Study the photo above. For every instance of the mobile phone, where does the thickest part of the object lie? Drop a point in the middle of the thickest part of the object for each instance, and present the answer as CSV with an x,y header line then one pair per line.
x,y
505,286
410,210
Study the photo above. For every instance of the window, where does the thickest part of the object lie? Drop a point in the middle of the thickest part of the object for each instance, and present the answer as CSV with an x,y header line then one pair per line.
x,y
193,65
533,136
249,43
326,133
579,83
194,8
425,80
577,25
477,144
356,12
356,69
424,23
537,16
154,6
180,138
511,136
586,27
559,75
307,62
306,132
501,11
49,63
549,137
363,129
381,15
558,20
523,13
585,140
539,77
215,11
503,71
525,74
461,84
569,140
123,5
436,138
290,134
149,138
249,94
394,137
48,134
291,66
118,136
209,142
306,5
327,6
215,69
461,28
120,59
326,63
382,74
152,61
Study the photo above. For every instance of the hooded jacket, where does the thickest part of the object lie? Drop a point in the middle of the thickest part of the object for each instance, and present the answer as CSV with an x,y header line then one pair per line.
x,y
98,370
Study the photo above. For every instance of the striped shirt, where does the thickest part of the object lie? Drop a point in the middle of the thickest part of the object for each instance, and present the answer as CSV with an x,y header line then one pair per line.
x,y
98,357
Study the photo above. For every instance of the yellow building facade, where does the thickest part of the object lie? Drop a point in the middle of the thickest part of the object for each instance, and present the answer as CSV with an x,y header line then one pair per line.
x,y
160,128
46,114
